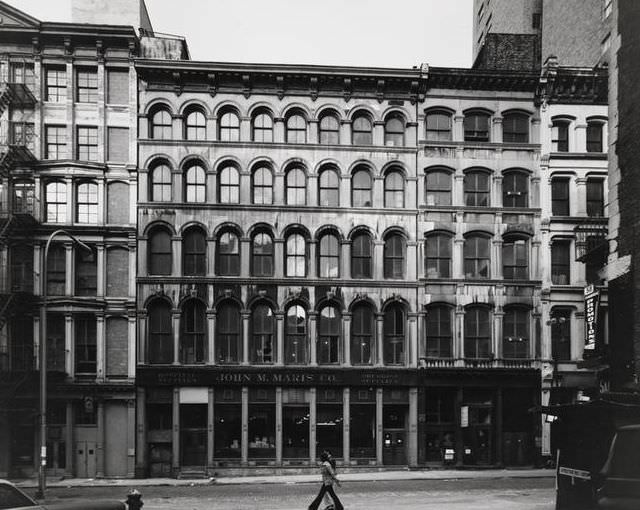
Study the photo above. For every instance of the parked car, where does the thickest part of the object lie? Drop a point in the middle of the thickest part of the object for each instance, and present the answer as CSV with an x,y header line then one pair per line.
x,y
12,498
618,484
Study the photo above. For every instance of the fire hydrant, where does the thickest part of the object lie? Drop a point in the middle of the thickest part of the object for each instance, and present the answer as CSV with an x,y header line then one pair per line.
x,y
134,500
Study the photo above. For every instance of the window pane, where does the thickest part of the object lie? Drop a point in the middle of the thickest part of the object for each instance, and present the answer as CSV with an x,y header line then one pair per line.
x,y
296,342
329,189
361,189
438,184
476,127
296,255
438,126
229,186
296,187
362,131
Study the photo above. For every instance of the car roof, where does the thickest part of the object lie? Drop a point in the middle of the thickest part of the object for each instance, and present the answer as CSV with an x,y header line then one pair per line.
x,y
630,427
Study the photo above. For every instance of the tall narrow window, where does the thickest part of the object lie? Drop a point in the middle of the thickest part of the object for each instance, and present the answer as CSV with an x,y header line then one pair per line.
x,y
561,262
296,339
56,195
515,342
229,186
329,335
229,127
438,184
394,131
161,183
361,253
262,186
329,189
56,270
194,253
296,129
439,332
87,147
477,333
296,184
362,130
195,125
594,136
515,128
262,128
438,256
595,197
87,86
394,254
56,85
85,344
560,136
515,186
192,332
262,335
394,189
476,189
561,335
362,334
476,257
476,127
195,184
87,202
161,125
438,126
296,256
329,257
160,254
560,196
86,273
160,339
394,335
329,130
262,255
56,142
228,256
515,259
228,328
361,189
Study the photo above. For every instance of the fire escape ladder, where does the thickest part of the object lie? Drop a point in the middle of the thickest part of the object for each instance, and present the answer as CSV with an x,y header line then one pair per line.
x,y
6,96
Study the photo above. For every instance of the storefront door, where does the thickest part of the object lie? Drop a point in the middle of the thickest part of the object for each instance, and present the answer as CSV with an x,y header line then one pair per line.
x,y
394,450
85,459
193,435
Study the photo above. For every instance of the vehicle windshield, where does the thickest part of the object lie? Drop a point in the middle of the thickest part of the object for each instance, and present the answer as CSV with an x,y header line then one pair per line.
x,y
10,497
625,463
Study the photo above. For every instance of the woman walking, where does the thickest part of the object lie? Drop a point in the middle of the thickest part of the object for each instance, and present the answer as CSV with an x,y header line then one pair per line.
x,y
328,479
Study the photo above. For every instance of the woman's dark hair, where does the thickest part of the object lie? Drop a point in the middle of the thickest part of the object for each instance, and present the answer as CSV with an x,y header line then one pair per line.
x,y
324,456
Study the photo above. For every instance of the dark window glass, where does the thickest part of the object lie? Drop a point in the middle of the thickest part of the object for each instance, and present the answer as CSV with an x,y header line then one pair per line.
x,y
394,190
515,128
594,136
561,335
229,127
87,147
476,189
56,349
329,257
362,130
86,272
56,270
438,187
194,253
515,259
228,255
229,186
296,351
394,333
394,131
361,189
262,255
560,136
329,128
87,86
438,256
595,197
161,125
296,253
160,254
476,257
296,183
228,339
439,332
361,252
56,142
195,126
262,128
560,197
329,335
561,263
262,186
329,189
87,203
515,342
192,332
56,196
477,333
161,184
438,126
362,334
195,184
56,85
160,333
296,129
394,253
85,344
262,335
515,188
476,127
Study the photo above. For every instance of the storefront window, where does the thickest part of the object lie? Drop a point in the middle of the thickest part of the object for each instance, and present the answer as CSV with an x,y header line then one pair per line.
x,y
362,423
440,435
329,428
262,431
295,432
227,430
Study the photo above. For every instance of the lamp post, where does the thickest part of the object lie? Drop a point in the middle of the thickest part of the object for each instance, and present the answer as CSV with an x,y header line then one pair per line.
x,y
42,351
555,321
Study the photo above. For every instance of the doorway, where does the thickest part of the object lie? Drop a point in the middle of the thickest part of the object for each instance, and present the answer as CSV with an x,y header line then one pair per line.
x,y
394,444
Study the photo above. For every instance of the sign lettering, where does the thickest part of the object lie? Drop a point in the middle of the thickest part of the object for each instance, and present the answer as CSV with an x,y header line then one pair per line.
x,y
591,303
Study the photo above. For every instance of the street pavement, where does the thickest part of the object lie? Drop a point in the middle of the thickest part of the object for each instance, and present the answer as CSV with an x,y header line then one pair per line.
x,y
471,493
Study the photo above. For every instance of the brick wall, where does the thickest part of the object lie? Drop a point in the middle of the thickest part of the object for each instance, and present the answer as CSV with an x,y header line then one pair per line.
x,y
117,272
509,52
117,346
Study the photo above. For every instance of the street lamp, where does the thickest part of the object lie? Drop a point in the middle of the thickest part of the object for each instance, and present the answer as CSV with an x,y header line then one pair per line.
x,y
555,321
42,483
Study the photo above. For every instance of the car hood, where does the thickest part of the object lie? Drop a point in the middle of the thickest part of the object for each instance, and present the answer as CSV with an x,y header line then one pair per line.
x,y
88,504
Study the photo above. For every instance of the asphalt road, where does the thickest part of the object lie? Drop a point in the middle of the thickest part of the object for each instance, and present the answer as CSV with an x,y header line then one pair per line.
x,y
492,494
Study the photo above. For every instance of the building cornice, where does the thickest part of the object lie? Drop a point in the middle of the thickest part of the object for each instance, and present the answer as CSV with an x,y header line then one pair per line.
x,y
571,85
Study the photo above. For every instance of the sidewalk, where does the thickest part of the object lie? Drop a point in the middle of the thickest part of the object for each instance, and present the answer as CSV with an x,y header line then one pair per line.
x,y
435,474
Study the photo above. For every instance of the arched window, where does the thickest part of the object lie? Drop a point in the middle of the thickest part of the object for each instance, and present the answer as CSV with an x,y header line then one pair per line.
x,y
229,185
56,197
515,258
394,335
515,128
362,130
160,181
476,256
228,127
195,184
192,332
160,254
438,255
439,331
595,136
329,257
262,125
329,129
160,337
296,128
438,187
438,124
87,203
394,189
228,255
195,125
361,253
329,188
161,125
228,334
476,127
394,254
515,342
329,327
361,189
194,252
262,255
296,184
477,333
560,135
262,186
476,188
296,341
296,254
262,335
362,334
515,189
394,127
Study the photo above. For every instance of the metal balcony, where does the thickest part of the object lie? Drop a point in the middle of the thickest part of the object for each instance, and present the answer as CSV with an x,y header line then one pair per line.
x,y
591,237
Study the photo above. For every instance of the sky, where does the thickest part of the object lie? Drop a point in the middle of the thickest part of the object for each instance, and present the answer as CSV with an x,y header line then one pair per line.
x,y
376,33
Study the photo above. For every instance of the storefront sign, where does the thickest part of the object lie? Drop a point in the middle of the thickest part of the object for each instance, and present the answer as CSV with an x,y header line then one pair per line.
x,y
591,303
464,416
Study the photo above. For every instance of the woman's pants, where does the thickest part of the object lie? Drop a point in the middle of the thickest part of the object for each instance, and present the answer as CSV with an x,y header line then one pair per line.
x,y
326,488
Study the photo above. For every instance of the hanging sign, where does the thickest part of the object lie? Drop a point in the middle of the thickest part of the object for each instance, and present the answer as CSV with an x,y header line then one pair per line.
x,y
591,303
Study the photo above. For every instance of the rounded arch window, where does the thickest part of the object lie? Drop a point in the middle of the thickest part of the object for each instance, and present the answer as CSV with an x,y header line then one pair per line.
x,y
329,129
438,251
329,256
515,329
394,189
438,125
394,334
296,128
362,130
262,125
229,185
262,254
228,333
161,124
515,127
477,188
329,332
56,197
438,183
476,126
329,188
361,188
477,333
160,333
160,253
515,258
262,334
394,256
262,186
87,202
296,341
195,184
439,331
476,256
160,181
515,189
194,252
229,126
296,184
193,322
296,255
362,334
361,256
394,128
228,254
195,125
